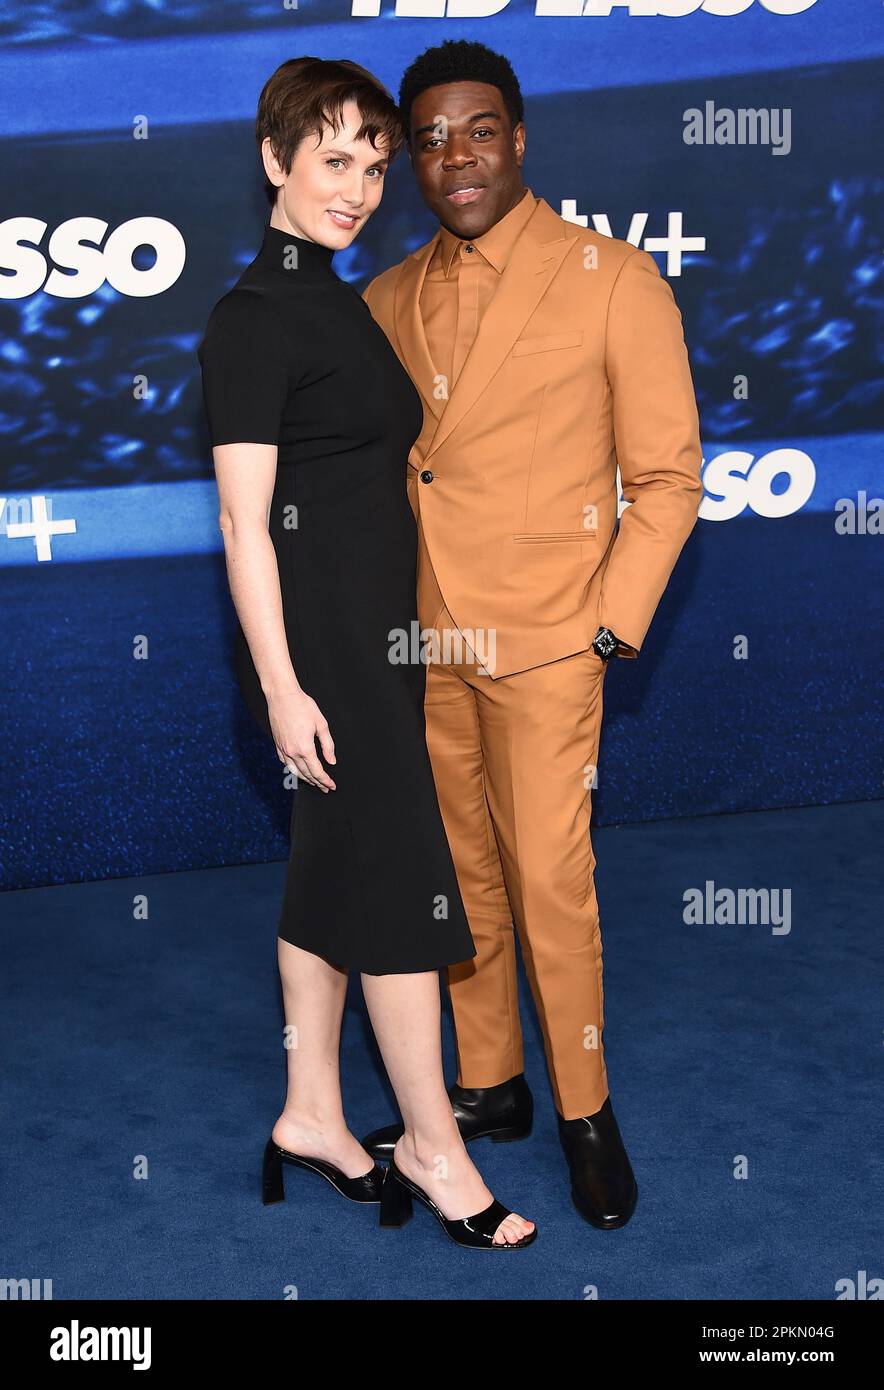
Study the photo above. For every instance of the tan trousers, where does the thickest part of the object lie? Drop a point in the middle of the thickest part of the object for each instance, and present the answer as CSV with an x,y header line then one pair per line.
x,y
513,761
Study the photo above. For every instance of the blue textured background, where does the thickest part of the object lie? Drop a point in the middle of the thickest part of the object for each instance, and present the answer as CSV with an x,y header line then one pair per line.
x,y
119,767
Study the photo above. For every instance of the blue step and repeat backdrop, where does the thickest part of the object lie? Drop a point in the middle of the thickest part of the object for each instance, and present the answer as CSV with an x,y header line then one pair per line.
x,y
131,199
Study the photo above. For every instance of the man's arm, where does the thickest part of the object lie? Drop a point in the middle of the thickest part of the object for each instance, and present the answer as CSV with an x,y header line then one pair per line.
x,y
378,295
657,440
368,291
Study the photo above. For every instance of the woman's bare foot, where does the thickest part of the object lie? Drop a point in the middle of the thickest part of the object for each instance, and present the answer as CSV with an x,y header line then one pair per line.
x,y
330,1140
450,1179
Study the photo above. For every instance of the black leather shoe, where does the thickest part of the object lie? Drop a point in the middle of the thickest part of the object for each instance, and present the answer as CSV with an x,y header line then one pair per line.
x,y
366,1188
603,1186
501,1113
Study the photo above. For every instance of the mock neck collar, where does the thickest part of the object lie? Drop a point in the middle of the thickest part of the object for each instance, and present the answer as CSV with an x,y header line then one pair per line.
x,y
295,255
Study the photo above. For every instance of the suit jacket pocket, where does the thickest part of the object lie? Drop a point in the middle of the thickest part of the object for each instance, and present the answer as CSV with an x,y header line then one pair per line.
x,y
547,343
582,535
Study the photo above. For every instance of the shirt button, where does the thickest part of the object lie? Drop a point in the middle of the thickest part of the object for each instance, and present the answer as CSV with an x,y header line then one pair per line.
x,y
426,476
469,246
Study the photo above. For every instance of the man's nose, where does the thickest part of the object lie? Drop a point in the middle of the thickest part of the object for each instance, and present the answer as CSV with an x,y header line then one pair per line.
x,y
458,154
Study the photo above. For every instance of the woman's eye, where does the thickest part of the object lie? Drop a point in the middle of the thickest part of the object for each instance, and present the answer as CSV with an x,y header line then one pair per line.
x,y
334,161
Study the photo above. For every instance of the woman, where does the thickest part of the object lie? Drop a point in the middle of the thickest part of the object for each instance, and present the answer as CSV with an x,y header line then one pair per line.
x,y
311,418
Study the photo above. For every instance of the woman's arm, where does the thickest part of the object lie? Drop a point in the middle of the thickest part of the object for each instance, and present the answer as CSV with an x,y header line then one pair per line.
x,y
246,474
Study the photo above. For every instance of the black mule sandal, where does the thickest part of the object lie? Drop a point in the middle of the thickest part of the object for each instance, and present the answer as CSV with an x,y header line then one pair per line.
x,y
366,1188
472,1232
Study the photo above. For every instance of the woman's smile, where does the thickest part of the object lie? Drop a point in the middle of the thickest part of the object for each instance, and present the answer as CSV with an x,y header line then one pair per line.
x,y
347,220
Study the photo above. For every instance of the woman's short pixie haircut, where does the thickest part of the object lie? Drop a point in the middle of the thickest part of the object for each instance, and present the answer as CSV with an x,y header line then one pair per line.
x,y
306,95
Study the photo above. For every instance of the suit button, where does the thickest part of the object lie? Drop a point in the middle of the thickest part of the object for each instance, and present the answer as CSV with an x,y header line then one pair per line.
x,y
426,476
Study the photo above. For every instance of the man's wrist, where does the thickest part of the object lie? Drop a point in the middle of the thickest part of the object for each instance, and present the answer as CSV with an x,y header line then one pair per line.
x,y
606,644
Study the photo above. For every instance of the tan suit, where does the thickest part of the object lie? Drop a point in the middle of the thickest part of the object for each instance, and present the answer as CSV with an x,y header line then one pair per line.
x,y
562,357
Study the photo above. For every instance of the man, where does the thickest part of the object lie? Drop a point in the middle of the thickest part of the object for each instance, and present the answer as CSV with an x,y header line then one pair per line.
x,y
545,356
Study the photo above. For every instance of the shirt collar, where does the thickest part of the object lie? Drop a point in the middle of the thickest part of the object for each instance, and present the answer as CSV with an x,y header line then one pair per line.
x,y
497,243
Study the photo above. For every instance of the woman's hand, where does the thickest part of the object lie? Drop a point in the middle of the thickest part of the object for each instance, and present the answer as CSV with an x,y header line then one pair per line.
x,y
297,722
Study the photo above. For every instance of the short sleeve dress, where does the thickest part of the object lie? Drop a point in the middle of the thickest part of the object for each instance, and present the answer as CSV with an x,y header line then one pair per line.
x,y
291,356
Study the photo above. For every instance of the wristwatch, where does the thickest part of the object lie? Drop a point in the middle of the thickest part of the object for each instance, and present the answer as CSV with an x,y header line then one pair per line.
x,y
605,644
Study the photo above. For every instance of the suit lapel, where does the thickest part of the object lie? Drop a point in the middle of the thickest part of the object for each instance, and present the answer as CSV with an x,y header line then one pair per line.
x,y
534,261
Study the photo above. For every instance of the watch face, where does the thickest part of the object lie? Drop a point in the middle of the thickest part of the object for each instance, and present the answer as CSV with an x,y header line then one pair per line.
x,y
605,643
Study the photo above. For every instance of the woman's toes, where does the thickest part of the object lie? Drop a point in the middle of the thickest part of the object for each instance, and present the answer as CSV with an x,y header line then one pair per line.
x,y
512,1230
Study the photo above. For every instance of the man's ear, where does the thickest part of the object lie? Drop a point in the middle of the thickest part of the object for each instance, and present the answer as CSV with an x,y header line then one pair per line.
x,y
519,141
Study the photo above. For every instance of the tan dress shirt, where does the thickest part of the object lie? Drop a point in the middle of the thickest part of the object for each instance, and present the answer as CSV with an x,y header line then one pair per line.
x,y
459,285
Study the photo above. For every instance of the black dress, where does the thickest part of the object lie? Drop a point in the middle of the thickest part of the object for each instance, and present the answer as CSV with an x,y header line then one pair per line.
x,y
292,356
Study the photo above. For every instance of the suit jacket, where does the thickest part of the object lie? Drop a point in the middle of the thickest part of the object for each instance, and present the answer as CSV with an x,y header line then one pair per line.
x,y
579,364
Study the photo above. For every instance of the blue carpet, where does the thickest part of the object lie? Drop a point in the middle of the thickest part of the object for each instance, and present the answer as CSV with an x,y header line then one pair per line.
x,y
158,1043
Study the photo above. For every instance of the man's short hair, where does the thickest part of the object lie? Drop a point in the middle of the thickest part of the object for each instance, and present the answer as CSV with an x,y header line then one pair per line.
x,y
458,60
